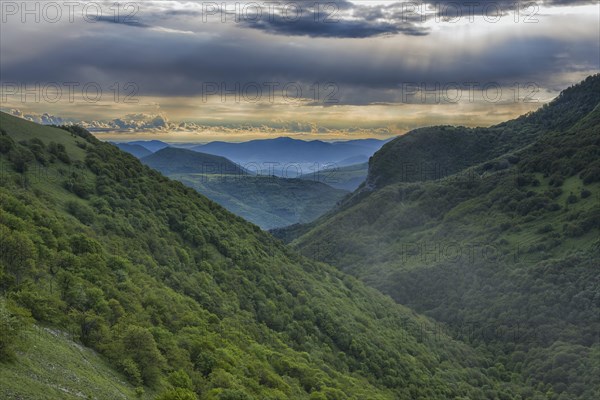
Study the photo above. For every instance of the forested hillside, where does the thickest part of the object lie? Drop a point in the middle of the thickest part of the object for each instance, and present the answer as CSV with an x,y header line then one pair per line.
x,y
502,246
184,300
135,149
434,153
267,201
171,160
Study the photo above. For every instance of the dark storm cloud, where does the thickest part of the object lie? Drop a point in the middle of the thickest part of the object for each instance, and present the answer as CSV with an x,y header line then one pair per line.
x,y
121,21
341,29
321,18
334,19
175,61
181,65
343,19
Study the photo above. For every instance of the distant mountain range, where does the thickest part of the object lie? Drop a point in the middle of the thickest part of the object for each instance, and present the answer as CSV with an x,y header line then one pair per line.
x,y
328,170
151,145
284,156
291,157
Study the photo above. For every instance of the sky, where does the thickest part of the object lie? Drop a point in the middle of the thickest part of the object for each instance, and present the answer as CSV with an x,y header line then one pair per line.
x,y
200,71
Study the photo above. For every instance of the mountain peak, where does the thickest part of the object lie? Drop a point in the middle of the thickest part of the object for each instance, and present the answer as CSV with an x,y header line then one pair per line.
x,y
435,152
173,160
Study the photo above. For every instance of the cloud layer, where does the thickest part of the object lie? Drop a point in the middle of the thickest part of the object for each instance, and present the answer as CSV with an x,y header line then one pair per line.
x,y
176,53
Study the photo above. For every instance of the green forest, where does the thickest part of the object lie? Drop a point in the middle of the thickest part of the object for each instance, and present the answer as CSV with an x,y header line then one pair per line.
x,y
492,232
118,282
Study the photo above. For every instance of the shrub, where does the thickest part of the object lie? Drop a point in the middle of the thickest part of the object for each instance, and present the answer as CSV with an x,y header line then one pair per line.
x,y
233,394
131,371
80,211
180,379
545,229
78,185
139,344
58,150
20,157
556,180
591,175
41,306
81,244
572,230
37,147
178,394
13,321
205,363
6,143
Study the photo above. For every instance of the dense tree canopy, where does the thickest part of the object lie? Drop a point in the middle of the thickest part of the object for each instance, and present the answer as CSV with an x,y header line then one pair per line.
x,y
188,301
503,250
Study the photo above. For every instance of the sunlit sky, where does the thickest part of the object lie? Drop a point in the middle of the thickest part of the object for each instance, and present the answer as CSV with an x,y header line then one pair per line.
x,y
187,71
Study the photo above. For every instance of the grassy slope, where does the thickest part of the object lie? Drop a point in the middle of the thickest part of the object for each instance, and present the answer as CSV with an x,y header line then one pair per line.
x,y
513,240
159,279
51,366
46,134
